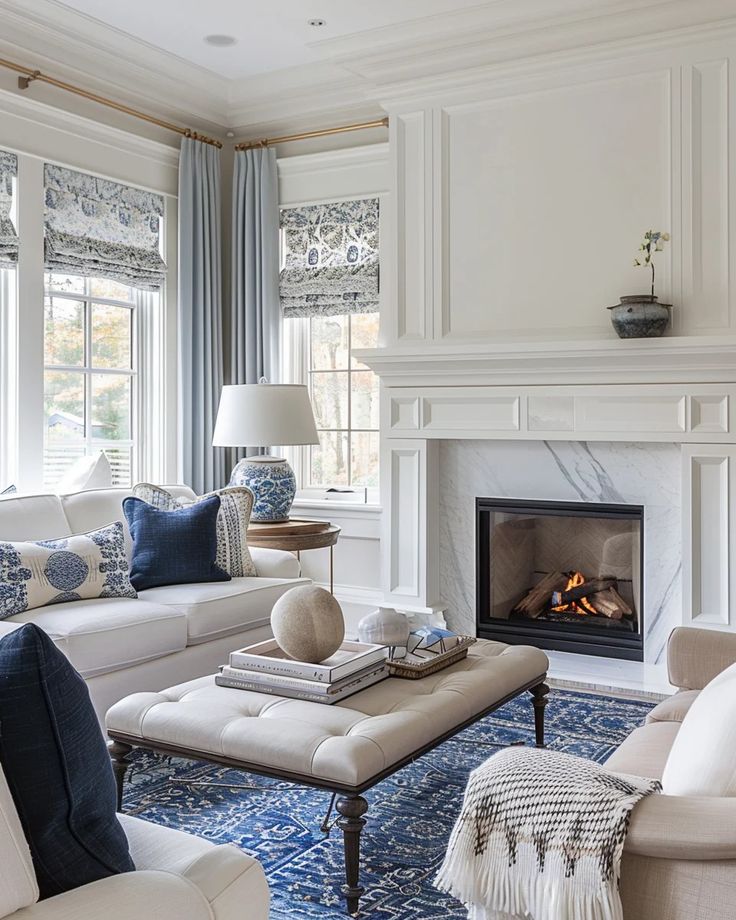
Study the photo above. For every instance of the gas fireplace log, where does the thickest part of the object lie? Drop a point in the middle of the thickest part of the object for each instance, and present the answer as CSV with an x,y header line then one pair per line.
x,y
536,600
610,604
594,586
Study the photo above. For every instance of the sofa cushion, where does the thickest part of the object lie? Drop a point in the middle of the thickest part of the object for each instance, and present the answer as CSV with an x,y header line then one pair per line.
x,y
35,517
72,568
703,757
173,547
674,708
56,763
215,610
110,633
645,751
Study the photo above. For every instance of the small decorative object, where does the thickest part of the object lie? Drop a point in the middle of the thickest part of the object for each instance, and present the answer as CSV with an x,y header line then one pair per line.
x,y
444,649
640,316
260,415
307,623
385,626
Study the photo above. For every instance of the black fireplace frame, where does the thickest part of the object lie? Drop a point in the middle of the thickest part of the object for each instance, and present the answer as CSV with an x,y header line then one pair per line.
x,y
567,637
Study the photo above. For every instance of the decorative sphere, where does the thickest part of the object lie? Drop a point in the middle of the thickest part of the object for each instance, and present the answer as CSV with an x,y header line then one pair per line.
x,y
307,623
384,626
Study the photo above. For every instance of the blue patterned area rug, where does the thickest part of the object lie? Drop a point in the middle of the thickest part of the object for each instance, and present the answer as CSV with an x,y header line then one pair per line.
x,y
410,817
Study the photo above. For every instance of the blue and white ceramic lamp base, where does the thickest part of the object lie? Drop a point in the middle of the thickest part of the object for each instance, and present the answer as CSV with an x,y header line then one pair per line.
x,y
273,484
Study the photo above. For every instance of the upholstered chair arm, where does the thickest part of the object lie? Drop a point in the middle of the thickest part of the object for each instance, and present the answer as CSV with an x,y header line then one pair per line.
x,y
275,563
139,895
696,656
683,827
232,882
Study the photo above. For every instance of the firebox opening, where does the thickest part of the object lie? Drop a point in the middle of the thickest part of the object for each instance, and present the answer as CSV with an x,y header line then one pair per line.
x,y
561,575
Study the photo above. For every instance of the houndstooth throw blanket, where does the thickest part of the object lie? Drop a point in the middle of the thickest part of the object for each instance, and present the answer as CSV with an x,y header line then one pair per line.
x,y
540,837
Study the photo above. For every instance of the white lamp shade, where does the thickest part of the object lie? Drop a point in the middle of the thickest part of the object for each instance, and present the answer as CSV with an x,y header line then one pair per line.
x,y
264,415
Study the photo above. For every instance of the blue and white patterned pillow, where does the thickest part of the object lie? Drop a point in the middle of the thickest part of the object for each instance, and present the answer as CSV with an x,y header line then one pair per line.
x,y
70,569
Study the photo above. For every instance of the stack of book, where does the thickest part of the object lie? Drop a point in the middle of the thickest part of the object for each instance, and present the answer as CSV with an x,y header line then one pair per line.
x,y
265,668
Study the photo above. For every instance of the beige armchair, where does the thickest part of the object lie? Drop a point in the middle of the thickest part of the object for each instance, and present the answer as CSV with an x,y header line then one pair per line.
x,y
680,854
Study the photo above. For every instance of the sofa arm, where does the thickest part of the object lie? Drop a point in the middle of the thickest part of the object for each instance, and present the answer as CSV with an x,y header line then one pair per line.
x,y
696,656
224,875
275,563
683,827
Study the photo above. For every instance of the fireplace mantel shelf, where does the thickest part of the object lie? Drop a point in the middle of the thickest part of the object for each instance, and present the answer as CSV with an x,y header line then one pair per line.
x,y
681,359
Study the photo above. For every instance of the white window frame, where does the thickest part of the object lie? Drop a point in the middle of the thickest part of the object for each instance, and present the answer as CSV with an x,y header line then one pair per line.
x,y
22,377
87,370
296,361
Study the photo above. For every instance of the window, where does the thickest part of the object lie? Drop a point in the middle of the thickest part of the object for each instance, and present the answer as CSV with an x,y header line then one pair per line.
x,y
345,400
89,374
330,299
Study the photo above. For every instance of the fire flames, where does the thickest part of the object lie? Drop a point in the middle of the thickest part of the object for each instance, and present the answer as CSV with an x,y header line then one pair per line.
x,y
582,605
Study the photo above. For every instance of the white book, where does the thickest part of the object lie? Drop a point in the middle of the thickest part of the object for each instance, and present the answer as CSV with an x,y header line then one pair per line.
x,y
296,683
267,657
353,686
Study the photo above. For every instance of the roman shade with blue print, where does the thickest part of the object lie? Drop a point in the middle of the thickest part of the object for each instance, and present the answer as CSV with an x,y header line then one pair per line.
x,y
330,259
8,233
102,229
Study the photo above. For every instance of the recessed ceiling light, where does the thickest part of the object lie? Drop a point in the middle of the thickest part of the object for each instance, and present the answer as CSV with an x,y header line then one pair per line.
x,y
316,22
221,41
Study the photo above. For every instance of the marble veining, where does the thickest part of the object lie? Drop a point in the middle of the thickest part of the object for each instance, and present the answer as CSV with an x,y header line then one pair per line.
x,y
631,473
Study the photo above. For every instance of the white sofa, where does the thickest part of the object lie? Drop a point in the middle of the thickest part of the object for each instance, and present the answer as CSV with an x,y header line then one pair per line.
x,y
169,634
177,877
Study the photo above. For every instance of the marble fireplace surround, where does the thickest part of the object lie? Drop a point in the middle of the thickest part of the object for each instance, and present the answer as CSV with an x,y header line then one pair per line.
x,y
650,422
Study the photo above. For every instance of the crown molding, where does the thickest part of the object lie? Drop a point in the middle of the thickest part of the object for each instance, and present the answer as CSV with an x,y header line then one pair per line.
x,y
511,30
76,48
358,74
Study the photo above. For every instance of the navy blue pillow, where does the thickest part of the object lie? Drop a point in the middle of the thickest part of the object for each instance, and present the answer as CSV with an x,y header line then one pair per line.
x,y
173,547
57,766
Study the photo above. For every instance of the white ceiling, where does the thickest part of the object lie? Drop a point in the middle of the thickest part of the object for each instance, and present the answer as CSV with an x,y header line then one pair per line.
x,y
271,34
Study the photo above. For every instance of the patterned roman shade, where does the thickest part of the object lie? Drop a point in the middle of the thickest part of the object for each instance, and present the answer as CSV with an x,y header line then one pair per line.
x,y
8,234
98,228
330,258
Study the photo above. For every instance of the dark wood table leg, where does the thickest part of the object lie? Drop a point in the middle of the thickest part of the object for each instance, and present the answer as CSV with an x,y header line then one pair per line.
x,y
539,700
118,754
351,822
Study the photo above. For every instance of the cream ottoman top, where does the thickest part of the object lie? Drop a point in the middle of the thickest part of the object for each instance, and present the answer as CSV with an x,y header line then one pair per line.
x,y
346,744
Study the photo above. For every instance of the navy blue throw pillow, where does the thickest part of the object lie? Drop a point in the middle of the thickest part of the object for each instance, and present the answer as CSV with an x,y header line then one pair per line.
x,y
173,547
57,766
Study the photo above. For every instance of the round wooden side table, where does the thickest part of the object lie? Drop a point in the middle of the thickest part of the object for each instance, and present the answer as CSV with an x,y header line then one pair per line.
x,y
296,535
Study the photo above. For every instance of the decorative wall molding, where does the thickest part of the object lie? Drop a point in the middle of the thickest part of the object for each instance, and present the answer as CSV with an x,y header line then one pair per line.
x,y
664,412
676,359
709,535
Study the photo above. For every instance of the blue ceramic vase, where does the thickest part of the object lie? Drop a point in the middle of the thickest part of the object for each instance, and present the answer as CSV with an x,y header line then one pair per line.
x,y
273,484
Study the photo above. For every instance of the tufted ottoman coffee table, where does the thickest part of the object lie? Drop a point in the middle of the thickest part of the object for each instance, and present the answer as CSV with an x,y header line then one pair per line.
x,y
345,748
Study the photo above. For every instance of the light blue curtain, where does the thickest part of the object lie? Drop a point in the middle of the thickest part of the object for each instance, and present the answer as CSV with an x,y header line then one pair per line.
x,y
200,314
256,313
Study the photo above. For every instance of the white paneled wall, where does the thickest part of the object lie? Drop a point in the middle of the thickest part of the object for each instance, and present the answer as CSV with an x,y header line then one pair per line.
x,y
520,202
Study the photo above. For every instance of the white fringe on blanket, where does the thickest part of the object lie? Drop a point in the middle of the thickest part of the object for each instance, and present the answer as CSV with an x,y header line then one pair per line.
x,y
540,837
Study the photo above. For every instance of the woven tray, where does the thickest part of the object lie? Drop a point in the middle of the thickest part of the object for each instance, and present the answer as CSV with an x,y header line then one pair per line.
x,y
423,662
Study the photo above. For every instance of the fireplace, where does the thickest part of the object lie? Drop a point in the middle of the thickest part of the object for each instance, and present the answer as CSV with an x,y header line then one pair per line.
x,y
561,575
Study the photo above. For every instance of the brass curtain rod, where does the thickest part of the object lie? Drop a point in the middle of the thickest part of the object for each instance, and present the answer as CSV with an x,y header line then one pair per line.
x,y
324,132
28,76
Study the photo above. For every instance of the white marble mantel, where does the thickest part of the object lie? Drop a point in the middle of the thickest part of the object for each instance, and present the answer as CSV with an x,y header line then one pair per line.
x,y
661,411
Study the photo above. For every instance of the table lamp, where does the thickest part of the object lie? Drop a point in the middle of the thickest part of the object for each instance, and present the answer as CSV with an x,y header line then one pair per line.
x,y
265,415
